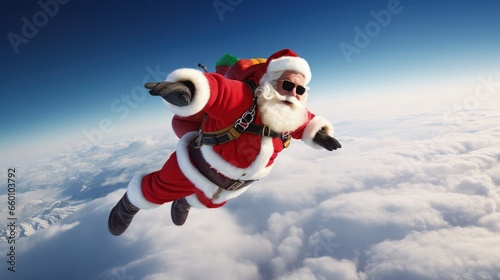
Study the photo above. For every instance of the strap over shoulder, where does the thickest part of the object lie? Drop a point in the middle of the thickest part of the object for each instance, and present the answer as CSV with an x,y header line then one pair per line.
x,y
241,125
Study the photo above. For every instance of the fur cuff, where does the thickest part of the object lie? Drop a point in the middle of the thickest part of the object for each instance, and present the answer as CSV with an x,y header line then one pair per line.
x,y
314,125
134,193
201,94
194,201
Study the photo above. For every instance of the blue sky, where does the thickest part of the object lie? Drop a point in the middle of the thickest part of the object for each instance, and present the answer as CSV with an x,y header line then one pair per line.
x,y
409,196
82,69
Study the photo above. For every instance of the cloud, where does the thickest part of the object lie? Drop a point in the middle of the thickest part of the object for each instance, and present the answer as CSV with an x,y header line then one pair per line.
x,y
122,178
406,197
325,268
450,253
58,229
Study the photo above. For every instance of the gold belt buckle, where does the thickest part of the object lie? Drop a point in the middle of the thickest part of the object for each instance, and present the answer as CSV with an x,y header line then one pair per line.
x,y
236,185
286,141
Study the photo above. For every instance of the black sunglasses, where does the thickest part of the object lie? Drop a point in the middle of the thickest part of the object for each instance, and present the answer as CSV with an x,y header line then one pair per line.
x,y
289,86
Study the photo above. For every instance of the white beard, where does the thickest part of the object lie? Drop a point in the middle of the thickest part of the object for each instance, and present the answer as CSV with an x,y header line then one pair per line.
x,y
277,114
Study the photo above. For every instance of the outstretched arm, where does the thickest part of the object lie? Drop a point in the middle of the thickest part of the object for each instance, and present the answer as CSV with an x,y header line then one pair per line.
x,y
326,141
175,93
318,133
189,91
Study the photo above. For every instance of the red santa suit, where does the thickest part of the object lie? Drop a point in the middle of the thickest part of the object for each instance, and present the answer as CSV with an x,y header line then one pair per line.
x,y
249,157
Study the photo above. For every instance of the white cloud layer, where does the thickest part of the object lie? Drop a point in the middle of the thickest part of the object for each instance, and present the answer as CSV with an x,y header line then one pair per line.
x,y
407,197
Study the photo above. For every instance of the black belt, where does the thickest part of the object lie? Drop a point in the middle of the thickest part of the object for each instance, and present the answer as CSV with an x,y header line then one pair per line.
x,y
211,174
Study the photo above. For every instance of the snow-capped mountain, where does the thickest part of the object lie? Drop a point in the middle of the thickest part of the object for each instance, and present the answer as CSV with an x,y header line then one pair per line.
x,y
52,214
57,186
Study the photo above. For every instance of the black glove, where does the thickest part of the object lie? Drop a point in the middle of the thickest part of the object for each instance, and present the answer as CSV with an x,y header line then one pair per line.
x,y
326,141
176,93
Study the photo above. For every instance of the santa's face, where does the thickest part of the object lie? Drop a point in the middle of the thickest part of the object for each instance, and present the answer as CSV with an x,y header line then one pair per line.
x,y
288,80
281,109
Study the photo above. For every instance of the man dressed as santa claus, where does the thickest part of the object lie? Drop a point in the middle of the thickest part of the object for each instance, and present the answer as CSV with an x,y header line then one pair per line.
x,y
246,125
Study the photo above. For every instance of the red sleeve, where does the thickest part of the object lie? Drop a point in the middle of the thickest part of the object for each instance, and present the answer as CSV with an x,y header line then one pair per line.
x,y
228,100
222,99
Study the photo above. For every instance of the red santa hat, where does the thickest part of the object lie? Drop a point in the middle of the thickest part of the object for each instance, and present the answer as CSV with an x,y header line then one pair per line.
x,y
284,60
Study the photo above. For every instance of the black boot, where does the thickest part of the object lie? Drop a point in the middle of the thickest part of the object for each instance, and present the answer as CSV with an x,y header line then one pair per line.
x,y
121,216
179,211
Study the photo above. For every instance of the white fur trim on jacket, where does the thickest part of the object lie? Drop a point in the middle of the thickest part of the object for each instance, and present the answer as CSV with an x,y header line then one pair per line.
x,y
255,171
134,193
194,201
201,94
316,124
200,181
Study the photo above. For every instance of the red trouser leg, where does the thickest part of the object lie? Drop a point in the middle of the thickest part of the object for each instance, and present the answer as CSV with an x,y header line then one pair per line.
x,y
167,184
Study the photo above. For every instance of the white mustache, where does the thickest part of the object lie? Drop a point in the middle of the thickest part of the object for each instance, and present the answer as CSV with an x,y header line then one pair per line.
x,y
273,94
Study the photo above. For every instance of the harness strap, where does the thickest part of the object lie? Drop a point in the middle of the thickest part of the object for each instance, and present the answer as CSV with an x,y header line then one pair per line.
x,y
231,133
243,124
